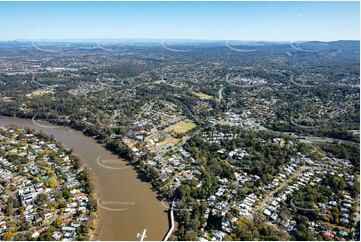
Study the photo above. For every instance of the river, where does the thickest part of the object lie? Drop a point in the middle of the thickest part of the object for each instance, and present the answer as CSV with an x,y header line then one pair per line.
x,y
127,205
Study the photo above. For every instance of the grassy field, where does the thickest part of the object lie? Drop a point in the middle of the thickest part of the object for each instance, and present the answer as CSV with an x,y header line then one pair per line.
x,y
39,93
181,127
168,140
201,95
282,142
159,82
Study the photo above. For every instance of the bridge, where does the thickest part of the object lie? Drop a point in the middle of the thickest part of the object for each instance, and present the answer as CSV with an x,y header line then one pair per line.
x,y
172,223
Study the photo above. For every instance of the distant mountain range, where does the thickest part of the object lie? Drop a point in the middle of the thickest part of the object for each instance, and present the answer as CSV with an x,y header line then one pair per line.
x,y
173,41
349,45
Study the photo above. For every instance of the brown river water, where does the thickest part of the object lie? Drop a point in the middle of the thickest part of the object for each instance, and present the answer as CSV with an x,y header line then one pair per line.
x,y
127,205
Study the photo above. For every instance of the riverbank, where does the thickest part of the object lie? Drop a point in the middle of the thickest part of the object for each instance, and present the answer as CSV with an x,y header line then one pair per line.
x,y
47,182
94,196
134,207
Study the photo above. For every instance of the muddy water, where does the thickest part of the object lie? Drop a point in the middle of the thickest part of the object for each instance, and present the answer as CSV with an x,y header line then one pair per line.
x,y
127,205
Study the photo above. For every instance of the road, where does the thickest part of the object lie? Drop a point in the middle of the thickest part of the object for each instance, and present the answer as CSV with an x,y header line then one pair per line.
x,y
285,183
301,170
220,96
357,212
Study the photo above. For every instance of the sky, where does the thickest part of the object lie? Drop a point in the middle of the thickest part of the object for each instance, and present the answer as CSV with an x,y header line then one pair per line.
x,y
267,21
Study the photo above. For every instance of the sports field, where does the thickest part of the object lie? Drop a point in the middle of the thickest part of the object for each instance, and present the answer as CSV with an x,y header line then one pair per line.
x,y
181,126
39,93
168,140
159,82
201,95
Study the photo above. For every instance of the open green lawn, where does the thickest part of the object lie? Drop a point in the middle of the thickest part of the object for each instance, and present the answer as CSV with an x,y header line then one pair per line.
x,y
39,93
201,95
168,140
181,126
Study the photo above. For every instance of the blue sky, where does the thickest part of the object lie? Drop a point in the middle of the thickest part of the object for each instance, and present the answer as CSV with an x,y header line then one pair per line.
x,y
273,21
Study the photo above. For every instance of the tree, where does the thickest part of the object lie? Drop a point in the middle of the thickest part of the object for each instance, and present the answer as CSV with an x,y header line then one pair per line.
x,y
51,182
195,224
190,235
42,199
8,210
62,203
21,209
7,235
154,174
92,204
58,222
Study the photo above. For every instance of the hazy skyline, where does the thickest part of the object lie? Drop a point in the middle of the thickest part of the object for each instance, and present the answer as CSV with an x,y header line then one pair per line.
x,y
268,21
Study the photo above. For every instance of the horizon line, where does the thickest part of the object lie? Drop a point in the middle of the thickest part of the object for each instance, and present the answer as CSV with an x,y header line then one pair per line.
x,y
160,40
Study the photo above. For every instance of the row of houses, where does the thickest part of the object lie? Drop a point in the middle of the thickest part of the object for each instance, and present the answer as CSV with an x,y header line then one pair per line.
x,y
26,181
